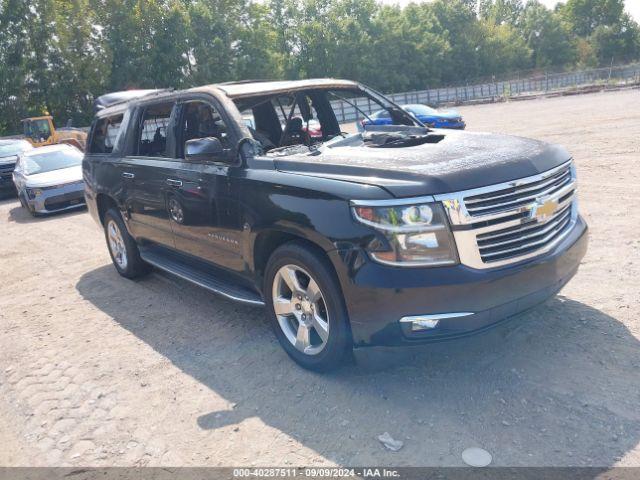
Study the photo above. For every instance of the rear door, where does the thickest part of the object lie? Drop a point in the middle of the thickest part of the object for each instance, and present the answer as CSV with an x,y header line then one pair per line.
x,y
145,171
204,216
100,166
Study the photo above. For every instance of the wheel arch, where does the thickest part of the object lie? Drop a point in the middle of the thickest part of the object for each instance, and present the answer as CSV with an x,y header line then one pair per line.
x,y
268,241
104,203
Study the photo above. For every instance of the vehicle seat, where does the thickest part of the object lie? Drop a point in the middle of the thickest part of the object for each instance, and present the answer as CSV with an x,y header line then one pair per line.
x,y
295,133
158,146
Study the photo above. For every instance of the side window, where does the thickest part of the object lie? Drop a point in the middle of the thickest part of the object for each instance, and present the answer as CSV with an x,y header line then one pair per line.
x,y
201,120
104,134
152,140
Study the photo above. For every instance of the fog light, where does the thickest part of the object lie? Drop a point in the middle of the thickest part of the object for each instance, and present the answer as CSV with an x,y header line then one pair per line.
x,y
424,324
420,323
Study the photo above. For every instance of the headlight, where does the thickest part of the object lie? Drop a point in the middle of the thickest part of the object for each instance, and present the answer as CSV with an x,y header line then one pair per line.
x,y
33,193
415,235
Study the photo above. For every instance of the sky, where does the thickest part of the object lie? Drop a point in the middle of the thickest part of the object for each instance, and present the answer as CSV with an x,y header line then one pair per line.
x,y
632,6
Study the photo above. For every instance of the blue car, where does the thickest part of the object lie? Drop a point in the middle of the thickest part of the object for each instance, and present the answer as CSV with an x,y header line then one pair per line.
x,y
427,115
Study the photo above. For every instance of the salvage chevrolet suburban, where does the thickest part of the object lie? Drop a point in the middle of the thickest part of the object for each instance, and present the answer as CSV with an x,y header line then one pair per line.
x,y
398,234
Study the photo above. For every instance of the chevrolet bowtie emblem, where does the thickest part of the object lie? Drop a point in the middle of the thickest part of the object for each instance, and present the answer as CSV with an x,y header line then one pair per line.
x,y
543,209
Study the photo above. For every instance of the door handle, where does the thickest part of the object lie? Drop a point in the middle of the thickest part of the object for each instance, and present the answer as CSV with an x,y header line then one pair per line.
x,y
174,183
128,175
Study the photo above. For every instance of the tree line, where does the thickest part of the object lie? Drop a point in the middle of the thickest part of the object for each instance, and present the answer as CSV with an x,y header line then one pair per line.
x,y
56,56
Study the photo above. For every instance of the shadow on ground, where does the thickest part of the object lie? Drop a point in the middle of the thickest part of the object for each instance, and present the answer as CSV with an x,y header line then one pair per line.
x,y
19,214
558,385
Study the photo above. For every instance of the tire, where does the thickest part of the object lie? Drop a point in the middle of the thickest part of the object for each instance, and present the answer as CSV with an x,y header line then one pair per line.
x,y
122,247
322,340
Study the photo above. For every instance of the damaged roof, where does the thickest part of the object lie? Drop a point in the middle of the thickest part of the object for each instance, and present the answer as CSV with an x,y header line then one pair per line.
x,y
114,98
232,90
250,89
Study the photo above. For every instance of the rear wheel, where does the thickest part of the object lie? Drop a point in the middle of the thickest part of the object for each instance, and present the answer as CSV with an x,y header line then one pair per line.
x,y
122,247
306,307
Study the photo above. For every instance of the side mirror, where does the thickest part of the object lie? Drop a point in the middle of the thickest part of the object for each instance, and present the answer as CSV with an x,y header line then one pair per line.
x,y
207,149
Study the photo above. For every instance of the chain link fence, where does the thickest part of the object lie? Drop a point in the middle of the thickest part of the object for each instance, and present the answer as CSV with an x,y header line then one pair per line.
x,y
497,90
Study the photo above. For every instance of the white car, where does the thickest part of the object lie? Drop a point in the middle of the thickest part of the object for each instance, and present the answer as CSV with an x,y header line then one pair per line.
x,y
49,179
9,151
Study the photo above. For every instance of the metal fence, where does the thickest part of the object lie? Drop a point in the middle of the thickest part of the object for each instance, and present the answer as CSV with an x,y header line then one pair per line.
x,y
494,90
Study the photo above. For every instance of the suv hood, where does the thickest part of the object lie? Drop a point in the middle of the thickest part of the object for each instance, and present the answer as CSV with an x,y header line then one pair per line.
x,y
452,161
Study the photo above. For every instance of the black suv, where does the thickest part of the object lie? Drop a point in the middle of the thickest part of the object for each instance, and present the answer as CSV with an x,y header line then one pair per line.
x,y
392,235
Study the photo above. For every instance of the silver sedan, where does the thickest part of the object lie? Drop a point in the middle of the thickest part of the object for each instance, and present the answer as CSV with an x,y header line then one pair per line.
x,y
49,179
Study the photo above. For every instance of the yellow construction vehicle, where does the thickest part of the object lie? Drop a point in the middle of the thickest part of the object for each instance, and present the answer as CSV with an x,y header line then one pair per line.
x,y
41,131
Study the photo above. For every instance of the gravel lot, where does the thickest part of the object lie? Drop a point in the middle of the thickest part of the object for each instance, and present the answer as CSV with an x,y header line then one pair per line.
x,y
98,370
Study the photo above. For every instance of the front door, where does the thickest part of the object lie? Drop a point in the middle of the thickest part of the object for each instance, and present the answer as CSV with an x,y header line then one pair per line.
x,y
204,216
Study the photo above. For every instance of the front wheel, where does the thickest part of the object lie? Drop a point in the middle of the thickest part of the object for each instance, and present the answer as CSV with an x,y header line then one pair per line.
x,y
122,247
306,307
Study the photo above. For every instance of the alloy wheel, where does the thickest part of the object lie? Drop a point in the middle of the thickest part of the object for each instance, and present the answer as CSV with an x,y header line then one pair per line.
x,y
300,309
116,244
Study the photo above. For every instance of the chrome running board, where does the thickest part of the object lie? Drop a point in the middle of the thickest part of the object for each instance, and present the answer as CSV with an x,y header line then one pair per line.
x,y
209,278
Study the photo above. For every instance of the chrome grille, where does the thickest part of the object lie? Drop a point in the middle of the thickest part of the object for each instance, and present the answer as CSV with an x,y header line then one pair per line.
x,y
527,237
513,221
6,169
512,197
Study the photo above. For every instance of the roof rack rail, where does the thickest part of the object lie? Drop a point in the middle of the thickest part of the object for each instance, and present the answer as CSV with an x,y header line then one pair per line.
x,y
240,82
117,98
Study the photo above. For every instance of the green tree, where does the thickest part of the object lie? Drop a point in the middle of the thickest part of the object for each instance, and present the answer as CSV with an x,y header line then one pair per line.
x,y
214,29
58,55
501,11
14,51
502,50
408,51
619,42
82,72
257,53
455,23
546,36
118,21
584,16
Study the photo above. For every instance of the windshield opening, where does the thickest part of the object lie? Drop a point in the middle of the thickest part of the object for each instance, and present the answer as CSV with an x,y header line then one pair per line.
x,y
310,117
50,161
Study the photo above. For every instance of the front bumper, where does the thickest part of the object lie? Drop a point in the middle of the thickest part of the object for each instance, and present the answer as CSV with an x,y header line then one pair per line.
x,y
62,198
451,125
6,182
378,296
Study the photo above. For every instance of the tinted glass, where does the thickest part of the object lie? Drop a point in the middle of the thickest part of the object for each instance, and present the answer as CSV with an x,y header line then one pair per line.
x,y
49,161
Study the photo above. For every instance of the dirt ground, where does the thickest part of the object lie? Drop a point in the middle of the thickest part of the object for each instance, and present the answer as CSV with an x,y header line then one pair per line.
x,y
98,370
